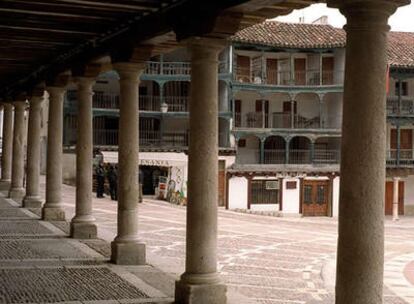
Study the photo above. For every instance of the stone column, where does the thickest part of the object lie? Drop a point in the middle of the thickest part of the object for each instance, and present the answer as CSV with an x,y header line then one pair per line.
x,y
16,188
53,209
360,258
7,146
32,198
83,224
395,196
200,282
126,248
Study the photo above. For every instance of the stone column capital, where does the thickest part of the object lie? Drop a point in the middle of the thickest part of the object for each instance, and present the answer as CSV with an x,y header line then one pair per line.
x,y
129,71
7,106
86,82
36,100
396,178
56,90
20,104
205,48
367,14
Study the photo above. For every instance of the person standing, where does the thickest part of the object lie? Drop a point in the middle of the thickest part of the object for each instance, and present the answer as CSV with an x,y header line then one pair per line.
x,y
113,182
100,179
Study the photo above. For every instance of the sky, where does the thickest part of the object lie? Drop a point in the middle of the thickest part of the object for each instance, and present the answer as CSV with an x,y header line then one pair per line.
x,y
402,20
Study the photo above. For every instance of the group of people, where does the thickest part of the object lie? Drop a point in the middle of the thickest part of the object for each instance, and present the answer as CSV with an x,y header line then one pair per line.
x,y
103,171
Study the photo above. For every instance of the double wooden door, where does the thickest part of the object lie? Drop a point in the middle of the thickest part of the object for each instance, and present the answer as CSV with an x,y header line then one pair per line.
x,y
315,198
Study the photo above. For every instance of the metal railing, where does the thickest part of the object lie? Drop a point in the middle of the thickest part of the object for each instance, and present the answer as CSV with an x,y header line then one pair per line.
x,y
407,105
285,121
149,103
295,156
310,77
177,103
105,100
274,156
406,157
299,156
167,68
321,156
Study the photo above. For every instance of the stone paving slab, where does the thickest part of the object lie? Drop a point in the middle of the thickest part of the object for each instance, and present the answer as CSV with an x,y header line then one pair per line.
x,y
7,203
16,214
49,285
24,228
23,249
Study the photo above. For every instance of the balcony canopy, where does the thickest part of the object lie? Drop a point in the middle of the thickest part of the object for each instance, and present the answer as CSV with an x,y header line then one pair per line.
x,y
40,39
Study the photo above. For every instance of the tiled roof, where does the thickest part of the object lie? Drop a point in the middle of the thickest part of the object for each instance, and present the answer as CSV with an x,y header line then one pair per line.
x,y
317,36
292,35
401,49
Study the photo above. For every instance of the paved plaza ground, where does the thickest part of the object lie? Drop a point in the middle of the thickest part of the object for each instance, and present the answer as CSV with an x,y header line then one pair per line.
x,y
261,259
265,259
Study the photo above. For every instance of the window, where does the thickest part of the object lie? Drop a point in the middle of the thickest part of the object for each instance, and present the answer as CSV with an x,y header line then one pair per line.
x,y
404,88
321,195
265,192
307,194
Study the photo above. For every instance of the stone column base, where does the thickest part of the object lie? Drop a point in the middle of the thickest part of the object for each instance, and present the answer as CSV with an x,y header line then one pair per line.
x,y
5,185
53,214
200,293
85,230
128,253
17,194
33,202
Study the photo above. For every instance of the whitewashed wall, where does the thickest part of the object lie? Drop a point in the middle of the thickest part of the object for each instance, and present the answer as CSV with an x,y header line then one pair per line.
x,y
335,199
291,197
238,192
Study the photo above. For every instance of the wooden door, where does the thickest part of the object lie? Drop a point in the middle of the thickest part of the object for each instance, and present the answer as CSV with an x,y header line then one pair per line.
x,y
237,113
222,183
389,193
243,68
300,71
271,71
327,70
406,143
315,198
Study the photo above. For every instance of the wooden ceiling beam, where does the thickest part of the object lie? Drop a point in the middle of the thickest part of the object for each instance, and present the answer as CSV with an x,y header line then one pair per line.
x,y
57,14
56,27
52,7
28,29
106,5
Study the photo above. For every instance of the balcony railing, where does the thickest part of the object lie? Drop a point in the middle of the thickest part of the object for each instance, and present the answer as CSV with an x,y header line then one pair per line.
x,y
295,156
105,100
274,156
321,156
149,103
406,157
407,105
286,121
176,103
176,68
285,78
147,138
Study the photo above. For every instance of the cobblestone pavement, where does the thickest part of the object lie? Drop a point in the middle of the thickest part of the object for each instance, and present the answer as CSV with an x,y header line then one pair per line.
x,y
267,260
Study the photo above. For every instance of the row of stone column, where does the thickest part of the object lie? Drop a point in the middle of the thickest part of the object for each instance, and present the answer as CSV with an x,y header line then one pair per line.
x,y
361,227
